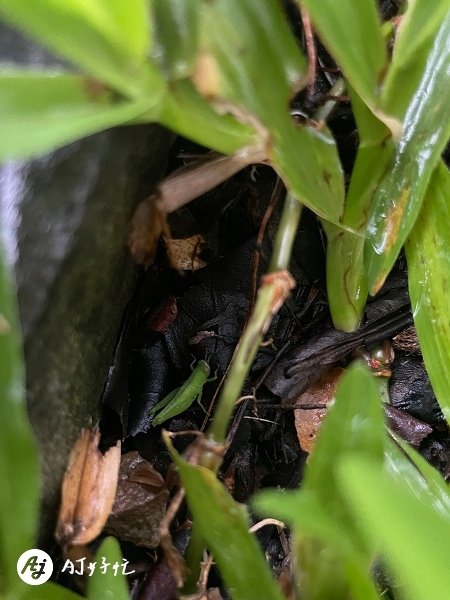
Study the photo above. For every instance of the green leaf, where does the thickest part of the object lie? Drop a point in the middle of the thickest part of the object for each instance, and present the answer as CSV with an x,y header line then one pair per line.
x,y
190,115
232,36
223,524
428,256
346,277
355,423
105,586
413,537
424,481
352,33
332,556
109,40
316,178
19,470
419,22
426,129
346,273
47,591
41,111
176,36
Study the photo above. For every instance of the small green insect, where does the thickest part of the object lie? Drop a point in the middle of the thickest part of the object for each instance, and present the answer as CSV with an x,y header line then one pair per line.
x,y
181,398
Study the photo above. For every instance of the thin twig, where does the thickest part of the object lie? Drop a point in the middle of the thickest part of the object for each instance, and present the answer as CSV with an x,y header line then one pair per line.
x,y
265,522
310,49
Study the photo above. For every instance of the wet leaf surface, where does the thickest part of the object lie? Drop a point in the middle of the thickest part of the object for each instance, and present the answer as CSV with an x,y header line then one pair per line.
x,y
428,264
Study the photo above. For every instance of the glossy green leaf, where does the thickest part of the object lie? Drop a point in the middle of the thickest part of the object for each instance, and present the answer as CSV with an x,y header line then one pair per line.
x,y
346,273
176,36
190,115
426,129
223,524
352,33
428,255
233,36
413,537
308,162
107,585
332,556
354,423
423,480
419,21
41,111
346,277
375,150
19,470
109,40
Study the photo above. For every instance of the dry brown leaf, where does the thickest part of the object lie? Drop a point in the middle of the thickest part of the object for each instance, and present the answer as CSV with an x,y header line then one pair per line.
x,y
184,254
88,490
309,420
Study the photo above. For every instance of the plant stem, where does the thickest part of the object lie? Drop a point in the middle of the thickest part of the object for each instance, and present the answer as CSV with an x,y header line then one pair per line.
x,y
273,291
322,113
287,230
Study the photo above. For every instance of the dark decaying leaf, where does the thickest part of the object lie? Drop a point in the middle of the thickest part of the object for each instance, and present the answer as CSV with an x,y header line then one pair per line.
x,y
140,502
387,315
410,429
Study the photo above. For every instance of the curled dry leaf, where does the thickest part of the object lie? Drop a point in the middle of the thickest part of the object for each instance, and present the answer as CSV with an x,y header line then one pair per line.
x,y
184,254
149,220
319,395
88,490
140,502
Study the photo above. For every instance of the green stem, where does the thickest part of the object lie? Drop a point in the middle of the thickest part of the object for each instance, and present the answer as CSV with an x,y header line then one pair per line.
x,y
253,334
322,113
287,230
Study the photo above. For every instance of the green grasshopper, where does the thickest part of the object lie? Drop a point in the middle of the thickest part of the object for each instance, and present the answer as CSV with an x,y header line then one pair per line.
x,y
181,398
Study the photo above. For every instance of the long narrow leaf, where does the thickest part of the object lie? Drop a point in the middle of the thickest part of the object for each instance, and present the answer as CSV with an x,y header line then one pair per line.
x,y
47,591
352,32
420,21
428,255
223,524
190,115
400,524
328,544
398,199
110,583
424,481
109,40
346,277
232,76
176,36
40,111
346,274
19,471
